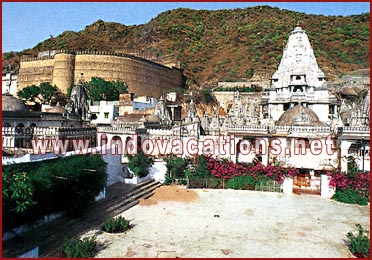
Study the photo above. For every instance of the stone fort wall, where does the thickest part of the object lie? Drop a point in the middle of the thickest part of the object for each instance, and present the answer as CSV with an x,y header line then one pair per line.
x,y
143,77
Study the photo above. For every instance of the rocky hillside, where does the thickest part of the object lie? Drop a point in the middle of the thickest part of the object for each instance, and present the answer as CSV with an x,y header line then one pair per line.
x,y
224,45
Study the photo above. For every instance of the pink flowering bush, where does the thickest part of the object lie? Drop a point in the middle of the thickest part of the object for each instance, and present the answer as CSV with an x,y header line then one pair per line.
x,y
359,182
225,169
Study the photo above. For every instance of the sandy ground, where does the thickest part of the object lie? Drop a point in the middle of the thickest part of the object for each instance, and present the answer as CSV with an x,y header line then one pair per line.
x,y
230,223
170,193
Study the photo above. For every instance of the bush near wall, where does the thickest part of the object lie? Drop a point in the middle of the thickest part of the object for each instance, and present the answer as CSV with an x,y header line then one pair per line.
x,y
64,184
351,188
228,174
139,164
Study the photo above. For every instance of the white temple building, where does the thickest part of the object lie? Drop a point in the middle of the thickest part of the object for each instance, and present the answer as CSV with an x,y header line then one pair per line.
x,y
299,81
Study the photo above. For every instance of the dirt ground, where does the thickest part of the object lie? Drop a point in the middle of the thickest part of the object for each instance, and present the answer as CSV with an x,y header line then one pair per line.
x,y
170,193
228,223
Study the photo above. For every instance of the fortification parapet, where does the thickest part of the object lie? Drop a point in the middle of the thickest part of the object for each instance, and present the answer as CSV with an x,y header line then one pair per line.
x,y
66,67
63,72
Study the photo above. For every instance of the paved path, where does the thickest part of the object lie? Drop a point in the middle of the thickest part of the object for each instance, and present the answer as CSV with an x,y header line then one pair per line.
x,y
230,223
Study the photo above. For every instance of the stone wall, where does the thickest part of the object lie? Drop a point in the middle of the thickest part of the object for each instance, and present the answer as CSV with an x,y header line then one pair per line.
x,y
225,98
34,72
142,76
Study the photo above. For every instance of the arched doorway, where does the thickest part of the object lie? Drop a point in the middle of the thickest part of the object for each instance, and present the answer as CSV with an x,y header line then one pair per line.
x,y
245,150
116,145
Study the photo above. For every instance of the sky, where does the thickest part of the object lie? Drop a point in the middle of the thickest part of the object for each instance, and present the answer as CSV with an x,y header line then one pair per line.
x,y
25,24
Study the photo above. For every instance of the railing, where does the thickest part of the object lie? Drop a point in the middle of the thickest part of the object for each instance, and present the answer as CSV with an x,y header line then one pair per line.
x,y
348,129
116,129
301,129
304,129
364,130
47,131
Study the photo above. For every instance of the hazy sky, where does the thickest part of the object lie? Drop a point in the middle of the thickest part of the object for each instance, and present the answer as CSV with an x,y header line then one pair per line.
x,y
25,24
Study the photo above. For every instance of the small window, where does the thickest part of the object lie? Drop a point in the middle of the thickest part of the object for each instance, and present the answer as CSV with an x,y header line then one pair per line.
x,y
298,77
94,116
106,115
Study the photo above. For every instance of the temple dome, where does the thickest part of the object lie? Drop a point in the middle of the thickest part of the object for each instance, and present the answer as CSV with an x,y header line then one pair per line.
x,y
11,103
299,116
152,119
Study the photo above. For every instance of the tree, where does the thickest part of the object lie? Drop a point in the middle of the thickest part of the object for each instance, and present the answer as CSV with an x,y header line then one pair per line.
x,y
48,92
176,166
45,93
100,89
30,93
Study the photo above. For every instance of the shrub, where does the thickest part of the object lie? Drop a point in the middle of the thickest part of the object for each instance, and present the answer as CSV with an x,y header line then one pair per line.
x,y
17,192
168,180
214,183
350,196
241,183
76,248
354,180
248,182
116,225
359,244
139,164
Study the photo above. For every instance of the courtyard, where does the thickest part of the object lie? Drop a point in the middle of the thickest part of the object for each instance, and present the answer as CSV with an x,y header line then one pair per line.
x,y
176,222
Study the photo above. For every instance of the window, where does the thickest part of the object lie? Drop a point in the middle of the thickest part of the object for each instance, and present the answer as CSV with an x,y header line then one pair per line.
x,y
106,115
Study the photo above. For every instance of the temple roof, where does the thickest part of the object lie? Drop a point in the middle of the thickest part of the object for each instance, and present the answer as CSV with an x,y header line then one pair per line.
x,y
298,59
299,116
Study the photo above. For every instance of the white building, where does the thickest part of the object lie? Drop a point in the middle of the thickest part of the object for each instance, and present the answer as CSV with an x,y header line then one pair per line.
x,y
104,112
9,84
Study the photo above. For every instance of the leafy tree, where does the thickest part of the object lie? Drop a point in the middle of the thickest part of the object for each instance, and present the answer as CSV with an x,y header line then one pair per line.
x,y
176,166
17,192
139,164
45,93
100,89
30,93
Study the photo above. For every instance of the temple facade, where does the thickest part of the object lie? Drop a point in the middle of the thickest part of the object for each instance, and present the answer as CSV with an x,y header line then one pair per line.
x,y
299,81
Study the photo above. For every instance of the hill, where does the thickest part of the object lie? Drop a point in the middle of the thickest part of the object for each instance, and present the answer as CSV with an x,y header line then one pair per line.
x,y
224,45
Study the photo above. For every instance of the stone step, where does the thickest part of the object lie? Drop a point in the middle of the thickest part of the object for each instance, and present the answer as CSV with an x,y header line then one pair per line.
x,y
145,191
132,199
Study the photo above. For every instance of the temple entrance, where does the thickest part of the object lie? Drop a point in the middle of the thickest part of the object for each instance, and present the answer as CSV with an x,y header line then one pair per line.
x,y
307,182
